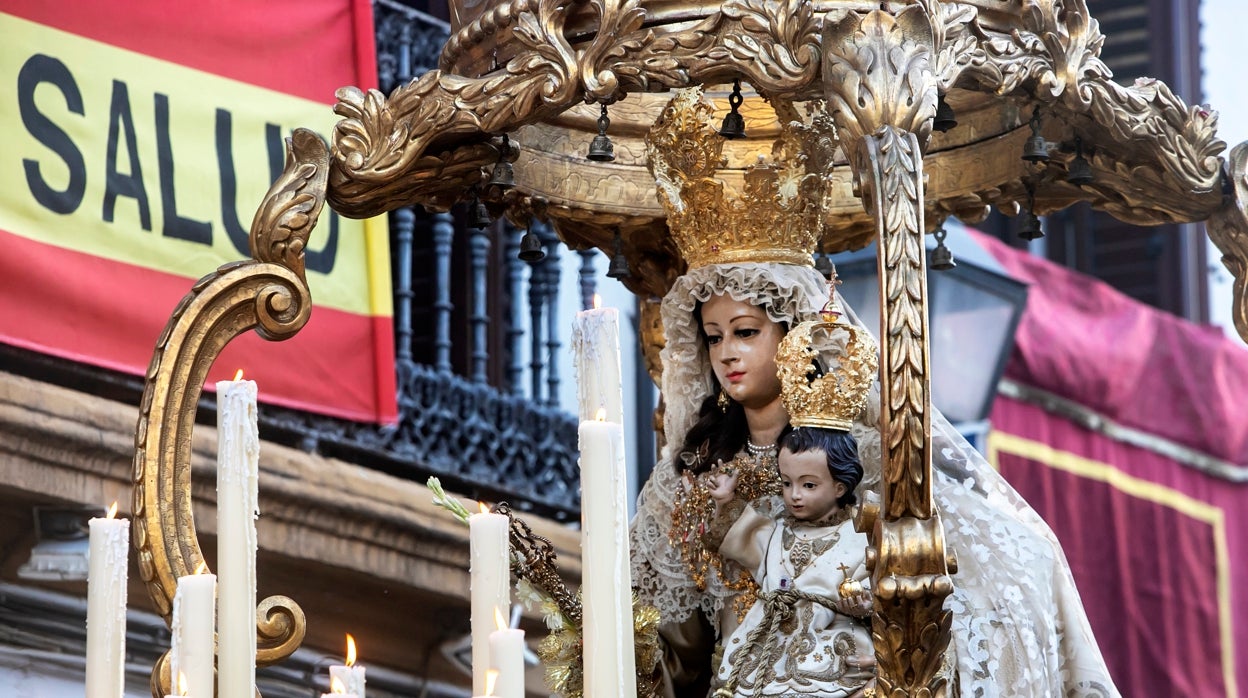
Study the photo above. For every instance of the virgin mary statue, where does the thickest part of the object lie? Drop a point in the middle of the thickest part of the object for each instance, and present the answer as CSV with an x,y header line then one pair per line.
x,y
1019,628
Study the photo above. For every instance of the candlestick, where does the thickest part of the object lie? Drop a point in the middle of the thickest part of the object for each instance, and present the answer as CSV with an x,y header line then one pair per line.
x,y
238,494
351,674
596,343
507,658
193,657
491,585
606,576
106,605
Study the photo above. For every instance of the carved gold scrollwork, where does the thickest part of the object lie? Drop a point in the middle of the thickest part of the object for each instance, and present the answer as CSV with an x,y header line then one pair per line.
x,y
1160,159
882,92
425,143
1228,228
905,414
878,71
268,294
910,626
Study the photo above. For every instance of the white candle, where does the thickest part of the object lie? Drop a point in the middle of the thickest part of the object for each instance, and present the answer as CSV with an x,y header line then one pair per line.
x,y
193,655
337,689
507,658
106,606
238,454
596,342
351,674
491,585
179,687
606,577
491,678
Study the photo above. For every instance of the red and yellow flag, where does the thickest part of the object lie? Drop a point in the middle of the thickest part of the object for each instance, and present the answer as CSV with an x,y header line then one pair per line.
x,y
140,137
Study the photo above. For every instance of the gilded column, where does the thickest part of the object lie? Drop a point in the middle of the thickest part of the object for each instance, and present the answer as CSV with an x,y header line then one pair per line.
x,y
882,93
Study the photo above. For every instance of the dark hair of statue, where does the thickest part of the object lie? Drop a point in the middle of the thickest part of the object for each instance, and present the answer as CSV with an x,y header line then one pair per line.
x,y
838,446
718,435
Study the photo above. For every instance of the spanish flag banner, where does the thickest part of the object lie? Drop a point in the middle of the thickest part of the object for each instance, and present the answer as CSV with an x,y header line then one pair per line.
x,y
140,136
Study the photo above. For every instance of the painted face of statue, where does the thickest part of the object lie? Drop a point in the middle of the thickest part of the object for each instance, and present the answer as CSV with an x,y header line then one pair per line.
x,y
810,493
742,343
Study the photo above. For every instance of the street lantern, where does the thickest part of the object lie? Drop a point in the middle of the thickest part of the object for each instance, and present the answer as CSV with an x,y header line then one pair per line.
x,y
975,308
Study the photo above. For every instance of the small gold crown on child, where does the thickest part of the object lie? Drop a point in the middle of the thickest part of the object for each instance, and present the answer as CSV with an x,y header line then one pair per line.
x,y
818,395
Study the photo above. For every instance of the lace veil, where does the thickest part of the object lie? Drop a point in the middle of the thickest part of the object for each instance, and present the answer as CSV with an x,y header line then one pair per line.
x,y
1019,626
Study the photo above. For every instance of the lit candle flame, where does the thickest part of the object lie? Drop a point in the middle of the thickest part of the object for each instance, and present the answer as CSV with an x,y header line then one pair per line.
x,y
491,678
600,415
350,650
597,301
337,686
499,620
239,375
201,568
485,509
112,511
182,683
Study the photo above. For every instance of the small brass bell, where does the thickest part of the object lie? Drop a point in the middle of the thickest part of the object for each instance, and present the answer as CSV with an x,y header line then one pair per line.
x,y
1080,172
601,149
531,249
478,214
942,258
1029,227
503,177
945,118
733,126
618,268
1036,149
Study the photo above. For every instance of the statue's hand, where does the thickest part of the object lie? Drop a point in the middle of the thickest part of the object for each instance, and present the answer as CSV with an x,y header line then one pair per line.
x,y
722,484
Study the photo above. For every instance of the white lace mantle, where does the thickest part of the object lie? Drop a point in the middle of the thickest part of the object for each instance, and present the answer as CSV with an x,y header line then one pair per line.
x,y
1019,626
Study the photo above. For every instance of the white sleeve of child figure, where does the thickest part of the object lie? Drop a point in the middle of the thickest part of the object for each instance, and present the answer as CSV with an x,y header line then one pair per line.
x,y
746,542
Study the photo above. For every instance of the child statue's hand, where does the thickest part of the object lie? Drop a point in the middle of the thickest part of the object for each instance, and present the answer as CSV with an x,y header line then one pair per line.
x,y
723,483
857,606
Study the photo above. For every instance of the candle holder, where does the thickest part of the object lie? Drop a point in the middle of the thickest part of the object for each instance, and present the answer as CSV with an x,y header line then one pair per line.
x,y
533,560
269,294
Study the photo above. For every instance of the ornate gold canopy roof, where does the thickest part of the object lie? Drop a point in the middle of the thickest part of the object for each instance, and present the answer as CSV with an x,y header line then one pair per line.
x,y
536,69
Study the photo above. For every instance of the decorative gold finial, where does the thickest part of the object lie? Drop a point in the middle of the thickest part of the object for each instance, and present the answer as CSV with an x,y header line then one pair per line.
x,y
776,217
827,397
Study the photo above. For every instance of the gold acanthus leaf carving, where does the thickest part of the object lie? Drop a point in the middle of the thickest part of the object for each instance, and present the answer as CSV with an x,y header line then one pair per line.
x,y
1228,228
285,219
877,69
1055,57
268,294
955,39
897,200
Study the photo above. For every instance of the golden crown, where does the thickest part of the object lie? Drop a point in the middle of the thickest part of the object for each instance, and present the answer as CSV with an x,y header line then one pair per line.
x,y
778,215
820,396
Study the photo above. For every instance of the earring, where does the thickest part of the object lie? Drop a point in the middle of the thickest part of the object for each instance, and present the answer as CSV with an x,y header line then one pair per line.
x,y
723,401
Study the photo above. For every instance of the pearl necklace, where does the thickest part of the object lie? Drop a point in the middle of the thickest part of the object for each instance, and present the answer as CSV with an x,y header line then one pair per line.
x,y
758,451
